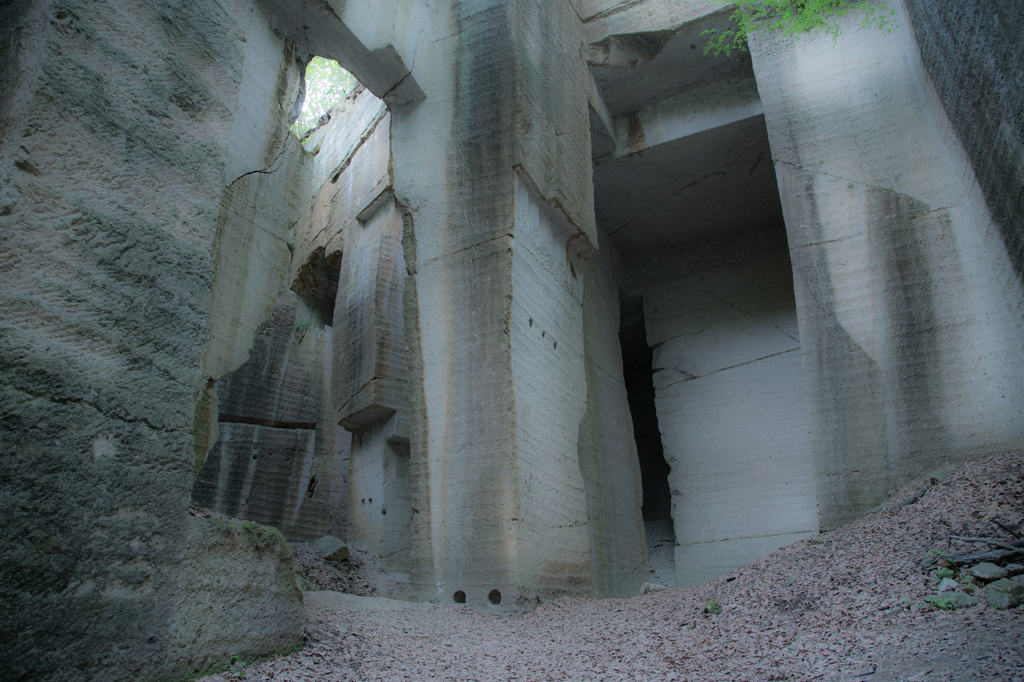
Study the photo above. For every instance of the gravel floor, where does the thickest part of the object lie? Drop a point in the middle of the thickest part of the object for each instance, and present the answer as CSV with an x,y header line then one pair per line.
x,y
846,605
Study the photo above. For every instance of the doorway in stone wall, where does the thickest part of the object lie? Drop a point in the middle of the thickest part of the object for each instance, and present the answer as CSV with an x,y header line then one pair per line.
x,y
638,375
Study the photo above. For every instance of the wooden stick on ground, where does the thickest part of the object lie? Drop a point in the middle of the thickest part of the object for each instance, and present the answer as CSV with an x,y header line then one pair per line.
x,y
1009,530
990,541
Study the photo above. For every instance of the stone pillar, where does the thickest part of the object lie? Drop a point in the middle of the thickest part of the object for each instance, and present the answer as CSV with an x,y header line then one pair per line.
x,y
370,390
907,300
606,446
496,334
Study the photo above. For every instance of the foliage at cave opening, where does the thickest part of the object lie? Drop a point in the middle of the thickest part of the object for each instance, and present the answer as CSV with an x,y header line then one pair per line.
x,y
327,85
792,18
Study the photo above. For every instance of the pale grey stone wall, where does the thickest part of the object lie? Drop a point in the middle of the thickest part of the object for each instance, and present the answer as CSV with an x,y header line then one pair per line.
x,y
606,447
721,317
272,459
906,295
503,90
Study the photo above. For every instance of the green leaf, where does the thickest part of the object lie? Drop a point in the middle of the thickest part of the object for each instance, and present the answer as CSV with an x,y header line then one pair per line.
x,y
791,18
327,85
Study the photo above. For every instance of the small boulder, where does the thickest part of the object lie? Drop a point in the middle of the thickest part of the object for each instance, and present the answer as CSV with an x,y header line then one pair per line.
x,y
949,601
331,548
1004,594
1019,579
947,584
647,588
988,572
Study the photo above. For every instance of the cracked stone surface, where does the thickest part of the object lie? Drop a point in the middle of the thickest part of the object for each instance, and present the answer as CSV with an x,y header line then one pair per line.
x,y
721,317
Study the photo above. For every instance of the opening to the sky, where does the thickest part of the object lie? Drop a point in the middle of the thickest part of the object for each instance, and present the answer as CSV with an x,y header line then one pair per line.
x,y
327,85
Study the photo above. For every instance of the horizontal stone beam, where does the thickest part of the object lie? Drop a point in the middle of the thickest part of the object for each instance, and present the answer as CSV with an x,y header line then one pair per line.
x,y
686,114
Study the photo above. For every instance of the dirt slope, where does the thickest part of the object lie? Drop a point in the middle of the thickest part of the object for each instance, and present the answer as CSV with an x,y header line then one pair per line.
x,y
847,605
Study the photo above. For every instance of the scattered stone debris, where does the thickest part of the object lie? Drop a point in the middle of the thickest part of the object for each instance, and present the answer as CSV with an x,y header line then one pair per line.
x,y
859,610
951,600
340,576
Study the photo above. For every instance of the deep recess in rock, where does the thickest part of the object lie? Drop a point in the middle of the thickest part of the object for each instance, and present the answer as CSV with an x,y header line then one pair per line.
x,y
638,372
317,287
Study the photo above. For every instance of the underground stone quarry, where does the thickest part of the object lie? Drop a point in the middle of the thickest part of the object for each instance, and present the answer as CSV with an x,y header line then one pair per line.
x,y
552,303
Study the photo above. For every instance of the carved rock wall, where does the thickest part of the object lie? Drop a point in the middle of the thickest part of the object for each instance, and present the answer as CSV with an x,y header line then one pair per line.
x,y
906,293
273,459
606,447
972,52
722,320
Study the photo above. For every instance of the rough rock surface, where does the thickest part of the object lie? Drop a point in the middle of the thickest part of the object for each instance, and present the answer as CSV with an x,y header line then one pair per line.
x,y
972,52
728,377
331,548
950,601
986,571
121,126
606,447
147,188
1004,594
845,616
360,574
236,596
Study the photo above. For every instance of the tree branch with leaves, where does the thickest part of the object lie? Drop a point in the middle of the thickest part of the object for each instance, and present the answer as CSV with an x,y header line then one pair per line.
x,y
792,18
327,84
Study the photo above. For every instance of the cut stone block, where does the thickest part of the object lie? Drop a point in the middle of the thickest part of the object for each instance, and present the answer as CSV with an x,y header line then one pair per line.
x,y
988,572
1004,594
331,548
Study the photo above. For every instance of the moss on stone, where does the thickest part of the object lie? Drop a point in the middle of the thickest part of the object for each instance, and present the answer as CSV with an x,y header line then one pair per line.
x,y
262,539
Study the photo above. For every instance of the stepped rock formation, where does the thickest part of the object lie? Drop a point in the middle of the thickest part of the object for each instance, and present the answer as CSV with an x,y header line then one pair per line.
x,y
548,278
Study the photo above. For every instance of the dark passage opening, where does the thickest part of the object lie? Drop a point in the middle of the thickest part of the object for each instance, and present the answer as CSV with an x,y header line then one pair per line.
x,y
638,374
316,283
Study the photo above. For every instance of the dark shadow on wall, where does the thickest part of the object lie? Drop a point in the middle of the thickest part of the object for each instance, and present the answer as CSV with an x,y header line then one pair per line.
x,y
316,283
974,52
